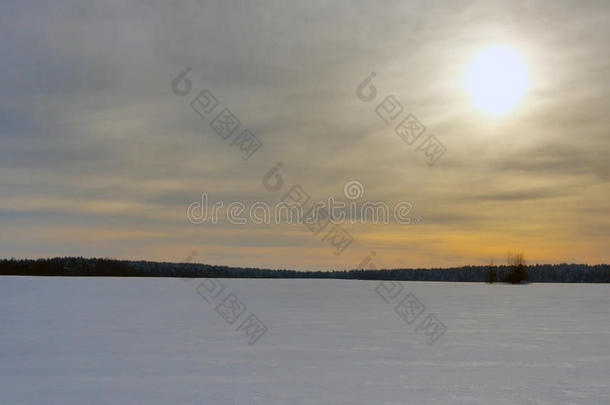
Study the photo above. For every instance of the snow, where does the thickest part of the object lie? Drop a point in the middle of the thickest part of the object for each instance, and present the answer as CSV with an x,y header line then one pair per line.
x,y
157,341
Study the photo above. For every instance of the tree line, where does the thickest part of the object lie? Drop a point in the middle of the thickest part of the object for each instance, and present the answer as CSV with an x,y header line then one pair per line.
x,y
102,267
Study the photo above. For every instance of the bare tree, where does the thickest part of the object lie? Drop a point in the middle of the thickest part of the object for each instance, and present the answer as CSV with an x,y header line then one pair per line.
x,y
490,273
516,268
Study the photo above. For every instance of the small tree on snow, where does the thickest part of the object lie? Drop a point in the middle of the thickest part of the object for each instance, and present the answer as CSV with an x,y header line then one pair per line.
x,y
490,273
516,268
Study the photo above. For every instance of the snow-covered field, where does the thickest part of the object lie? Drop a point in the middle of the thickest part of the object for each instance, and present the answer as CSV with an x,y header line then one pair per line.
x,y
157,341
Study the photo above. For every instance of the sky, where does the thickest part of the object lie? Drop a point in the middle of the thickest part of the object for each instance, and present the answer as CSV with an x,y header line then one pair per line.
x,y
100,157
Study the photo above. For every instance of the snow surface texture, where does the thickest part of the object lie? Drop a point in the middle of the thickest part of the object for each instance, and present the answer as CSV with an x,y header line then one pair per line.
x,y
157,341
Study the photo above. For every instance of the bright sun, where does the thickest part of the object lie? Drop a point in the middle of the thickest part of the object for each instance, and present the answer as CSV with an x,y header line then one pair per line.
x,y
496,78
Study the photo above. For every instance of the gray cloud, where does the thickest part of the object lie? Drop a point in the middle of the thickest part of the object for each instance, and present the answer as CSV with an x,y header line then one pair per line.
x,y
87,115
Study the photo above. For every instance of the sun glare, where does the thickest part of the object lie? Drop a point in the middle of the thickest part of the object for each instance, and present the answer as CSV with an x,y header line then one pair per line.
x,y
496,79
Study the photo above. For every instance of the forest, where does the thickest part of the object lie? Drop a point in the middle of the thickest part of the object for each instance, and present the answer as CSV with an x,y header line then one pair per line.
x,y
103,267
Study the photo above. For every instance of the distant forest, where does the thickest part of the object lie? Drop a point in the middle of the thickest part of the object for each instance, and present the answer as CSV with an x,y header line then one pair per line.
x,y
83,267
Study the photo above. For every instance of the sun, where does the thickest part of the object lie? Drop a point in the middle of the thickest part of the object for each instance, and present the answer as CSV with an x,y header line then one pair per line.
x,y
496,79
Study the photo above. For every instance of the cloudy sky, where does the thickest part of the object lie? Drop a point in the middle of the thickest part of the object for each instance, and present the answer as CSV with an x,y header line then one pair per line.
x,y
99,157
